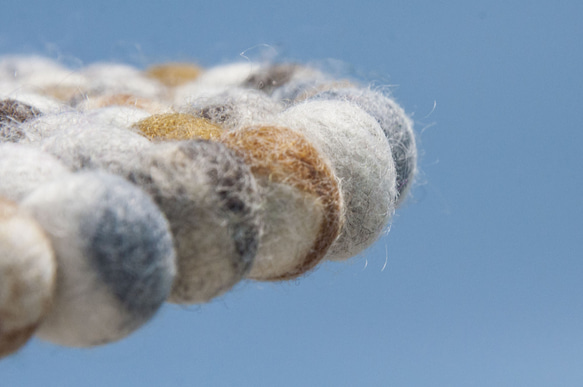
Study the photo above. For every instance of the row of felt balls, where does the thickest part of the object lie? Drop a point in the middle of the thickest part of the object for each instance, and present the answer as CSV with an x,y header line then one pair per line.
x,y
122,188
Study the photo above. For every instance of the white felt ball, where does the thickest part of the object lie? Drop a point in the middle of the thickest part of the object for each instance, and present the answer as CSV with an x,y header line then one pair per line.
x,y
115,257
214,81
27,277
232,74
23,169
47,125
108,78
395,124
118,116
361,158
94,146
37,72
38,75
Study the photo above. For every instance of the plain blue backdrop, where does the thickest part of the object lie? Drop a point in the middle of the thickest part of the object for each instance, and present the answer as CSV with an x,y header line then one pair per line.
x,y
480,280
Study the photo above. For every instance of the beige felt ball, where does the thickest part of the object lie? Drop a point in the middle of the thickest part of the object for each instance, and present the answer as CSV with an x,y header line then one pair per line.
x,y
27,277
174,74
361,158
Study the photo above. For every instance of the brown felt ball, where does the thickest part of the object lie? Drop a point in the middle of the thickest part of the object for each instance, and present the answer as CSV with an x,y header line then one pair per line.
x,y
12,111
174,74
302,207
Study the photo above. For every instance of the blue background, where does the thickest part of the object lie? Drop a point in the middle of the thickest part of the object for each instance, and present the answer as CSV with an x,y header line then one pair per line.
x,y
479,282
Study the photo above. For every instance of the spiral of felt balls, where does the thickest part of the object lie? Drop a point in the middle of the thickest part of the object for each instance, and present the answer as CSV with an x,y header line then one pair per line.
x,y
123,188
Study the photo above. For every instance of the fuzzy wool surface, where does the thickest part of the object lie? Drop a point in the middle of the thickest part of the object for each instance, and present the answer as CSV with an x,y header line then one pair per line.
x,y
233,108
89,145
116,261
302,205
398,129
207,193
245,170
23,169
212,202
361,158
27,276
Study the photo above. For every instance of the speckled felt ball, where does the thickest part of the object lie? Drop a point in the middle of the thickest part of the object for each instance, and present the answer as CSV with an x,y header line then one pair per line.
x,y
116,261
12,114
27,277
12,111
234,108
212,203
301,200
23,169
397,127
174,74
267,78
361,158
299,90
177,126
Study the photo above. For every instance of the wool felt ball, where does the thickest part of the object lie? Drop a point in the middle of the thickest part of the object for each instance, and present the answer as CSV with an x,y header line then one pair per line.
x,y
398,129
214,81
121,99
177,126
12,114
361,158
268,78
42,103
116,261
94,146
12,111
211,200
24,66
301,200
23,169
228,75
118,116
174,74
298,90
110,78
27,277
41,75
47,125
234,108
